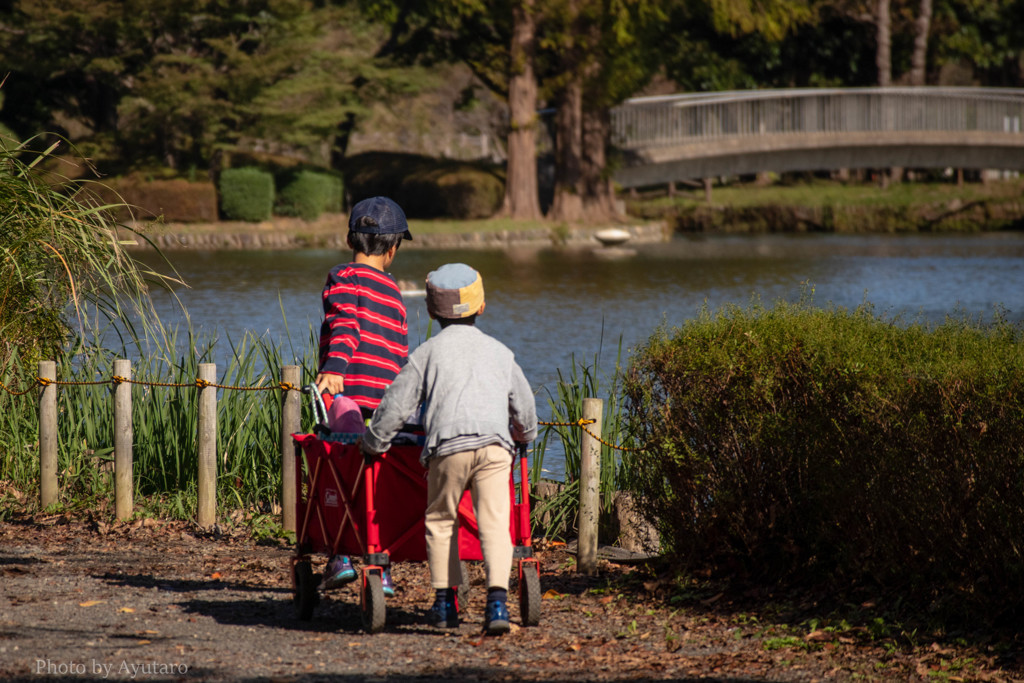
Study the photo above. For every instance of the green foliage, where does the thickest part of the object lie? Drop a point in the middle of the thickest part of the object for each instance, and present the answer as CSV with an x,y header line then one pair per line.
x,y
559,512
246,194
426,187
164,424
58,253
307,194
802,443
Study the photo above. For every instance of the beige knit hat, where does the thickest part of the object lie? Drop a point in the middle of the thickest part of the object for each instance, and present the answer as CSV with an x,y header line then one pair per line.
x,y
454,291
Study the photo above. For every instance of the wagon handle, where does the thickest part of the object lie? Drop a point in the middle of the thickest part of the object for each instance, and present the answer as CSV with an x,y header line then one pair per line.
x,y
319,409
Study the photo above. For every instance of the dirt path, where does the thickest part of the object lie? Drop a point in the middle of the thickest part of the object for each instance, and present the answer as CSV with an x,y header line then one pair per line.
x,y
158,601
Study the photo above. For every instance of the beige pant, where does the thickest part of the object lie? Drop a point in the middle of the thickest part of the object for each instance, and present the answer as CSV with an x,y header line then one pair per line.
x,y
486,473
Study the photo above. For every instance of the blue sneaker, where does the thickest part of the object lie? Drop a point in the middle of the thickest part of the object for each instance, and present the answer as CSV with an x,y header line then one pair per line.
x,y
385,580
443,614
339,572
496,618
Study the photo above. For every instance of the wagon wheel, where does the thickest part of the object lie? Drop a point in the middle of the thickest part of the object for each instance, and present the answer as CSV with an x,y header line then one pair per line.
x,y
306,597
529,597
373,604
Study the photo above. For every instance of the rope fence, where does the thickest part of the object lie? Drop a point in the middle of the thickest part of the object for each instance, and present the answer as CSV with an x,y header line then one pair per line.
x,y
290,387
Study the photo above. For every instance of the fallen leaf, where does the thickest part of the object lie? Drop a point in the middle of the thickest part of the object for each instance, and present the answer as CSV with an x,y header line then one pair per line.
x,y
551,594
606,599
142,642
818,636
127,610
215,575
91,603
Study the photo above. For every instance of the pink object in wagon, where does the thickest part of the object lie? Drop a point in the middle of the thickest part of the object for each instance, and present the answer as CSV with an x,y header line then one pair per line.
x,y
344,415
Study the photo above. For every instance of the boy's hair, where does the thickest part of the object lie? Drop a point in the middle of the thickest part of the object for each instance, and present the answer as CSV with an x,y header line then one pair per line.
x,y
445,322
373,244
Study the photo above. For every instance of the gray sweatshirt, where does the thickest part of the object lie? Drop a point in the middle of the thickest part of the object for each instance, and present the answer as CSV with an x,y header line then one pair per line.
x,y
468,382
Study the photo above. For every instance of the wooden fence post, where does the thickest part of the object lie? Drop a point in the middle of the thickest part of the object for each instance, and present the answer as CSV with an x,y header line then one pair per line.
x,y
207,447
291,412
590,475
124,485
48,435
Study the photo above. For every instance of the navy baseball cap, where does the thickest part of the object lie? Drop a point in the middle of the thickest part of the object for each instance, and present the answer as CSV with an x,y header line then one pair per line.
x,y
379,216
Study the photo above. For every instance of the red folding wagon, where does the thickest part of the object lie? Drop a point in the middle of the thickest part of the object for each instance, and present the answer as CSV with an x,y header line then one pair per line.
x,y
376,510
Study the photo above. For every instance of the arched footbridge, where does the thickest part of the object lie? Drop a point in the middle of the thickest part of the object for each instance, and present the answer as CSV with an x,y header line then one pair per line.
x,y
704,135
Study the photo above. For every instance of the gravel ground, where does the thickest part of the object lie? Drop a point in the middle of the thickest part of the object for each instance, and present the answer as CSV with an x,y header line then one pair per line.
x,y
161,601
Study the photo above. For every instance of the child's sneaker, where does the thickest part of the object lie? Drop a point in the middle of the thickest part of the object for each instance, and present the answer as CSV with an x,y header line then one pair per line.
x,y
385,580
444,614
496,618
339,572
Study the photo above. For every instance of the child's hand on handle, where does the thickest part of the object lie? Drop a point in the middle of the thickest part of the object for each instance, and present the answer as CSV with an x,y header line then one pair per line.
x,y
330,384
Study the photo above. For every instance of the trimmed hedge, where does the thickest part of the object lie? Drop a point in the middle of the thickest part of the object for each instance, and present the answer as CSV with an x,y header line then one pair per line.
x,y
176,201
799,443
308,194
426,187
246,194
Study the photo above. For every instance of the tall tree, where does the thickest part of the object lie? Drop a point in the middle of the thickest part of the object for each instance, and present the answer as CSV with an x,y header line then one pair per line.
x,y
922,27
521,188
600,52
883,43
498,41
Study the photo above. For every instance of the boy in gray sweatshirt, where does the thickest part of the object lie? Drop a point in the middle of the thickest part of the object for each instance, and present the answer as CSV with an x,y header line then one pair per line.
x,y
476,405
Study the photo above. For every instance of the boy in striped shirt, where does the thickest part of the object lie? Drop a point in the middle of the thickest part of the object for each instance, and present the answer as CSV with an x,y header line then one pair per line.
x,y
364,334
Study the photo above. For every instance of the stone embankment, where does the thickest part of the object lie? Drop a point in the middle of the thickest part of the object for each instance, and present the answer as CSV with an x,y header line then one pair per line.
x,y
330,234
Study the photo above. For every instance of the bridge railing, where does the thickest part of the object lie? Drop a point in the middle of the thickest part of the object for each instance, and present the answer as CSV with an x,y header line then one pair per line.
x,y
703,117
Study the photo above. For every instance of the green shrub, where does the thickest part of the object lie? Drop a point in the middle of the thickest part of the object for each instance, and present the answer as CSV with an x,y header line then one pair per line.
x,y
800,442
426,187
307,194
246,194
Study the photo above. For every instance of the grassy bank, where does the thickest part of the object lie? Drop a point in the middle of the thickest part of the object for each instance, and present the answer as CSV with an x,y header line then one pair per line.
x,y
829,206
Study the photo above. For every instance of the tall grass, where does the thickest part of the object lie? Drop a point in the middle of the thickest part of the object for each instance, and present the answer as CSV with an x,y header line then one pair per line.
x,y
558,513
70,292
164,422
59,253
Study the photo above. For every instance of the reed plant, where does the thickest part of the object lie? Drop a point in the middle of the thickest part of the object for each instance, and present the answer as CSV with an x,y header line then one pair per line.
x,y
164,423
70,292
557,514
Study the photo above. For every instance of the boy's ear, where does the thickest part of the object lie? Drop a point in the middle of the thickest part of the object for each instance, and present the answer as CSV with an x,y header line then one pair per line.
x,y
483,305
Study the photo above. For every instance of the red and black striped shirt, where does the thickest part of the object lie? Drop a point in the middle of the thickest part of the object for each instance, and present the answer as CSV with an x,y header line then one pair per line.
x,y
365,335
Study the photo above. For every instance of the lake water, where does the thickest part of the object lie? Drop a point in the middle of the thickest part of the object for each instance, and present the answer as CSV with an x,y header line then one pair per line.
x,y
553,305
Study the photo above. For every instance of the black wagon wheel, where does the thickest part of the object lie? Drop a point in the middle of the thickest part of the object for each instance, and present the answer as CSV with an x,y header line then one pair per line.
x,y
529,596
373,604
306,596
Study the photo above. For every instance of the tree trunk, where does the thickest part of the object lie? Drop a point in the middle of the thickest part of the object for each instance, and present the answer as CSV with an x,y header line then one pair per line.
x,y
521,197
883,43
883,62
919,59
567,204
598,193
